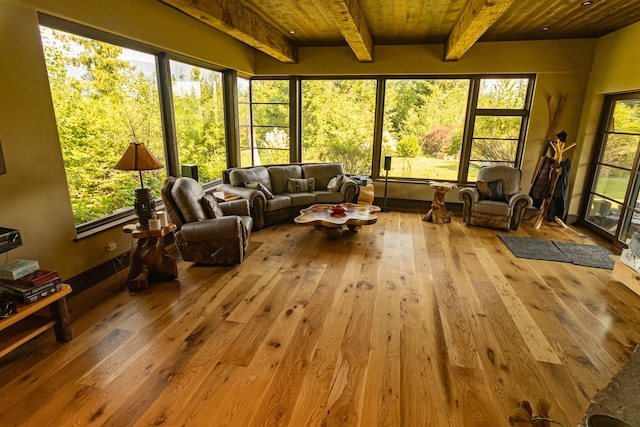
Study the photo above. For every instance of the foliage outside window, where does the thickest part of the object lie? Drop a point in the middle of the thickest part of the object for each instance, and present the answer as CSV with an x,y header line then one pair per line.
x,y
105,96
614,192
264,122
338,118
423,127
498,122
199,116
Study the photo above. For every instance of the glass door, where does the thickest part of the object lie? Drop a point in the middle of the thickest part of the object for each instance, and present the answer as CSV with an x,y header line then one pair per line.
x,y
613,206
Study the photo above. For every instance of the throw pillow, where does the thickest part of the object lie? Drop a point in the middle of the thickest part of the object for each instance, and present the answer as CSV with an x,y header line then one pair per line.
x,y
211,207
491,190
301,185
335,183
259,186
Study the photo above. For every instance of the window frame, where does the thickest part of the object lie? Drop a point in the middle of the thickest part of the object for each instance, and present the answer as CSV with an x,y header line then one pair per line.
x,y
168,127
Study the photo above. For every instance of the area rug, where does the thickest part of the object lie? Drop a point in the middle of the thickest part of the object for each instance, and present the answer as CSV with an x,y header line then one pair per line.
x,y
533,248
575,253
587,255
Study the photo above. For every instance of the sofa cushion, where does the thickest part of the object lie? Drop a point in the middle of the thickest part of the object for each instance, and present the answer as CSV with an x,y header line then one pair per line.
x,y
491,190
492,207
335,183
301,185
302,199
279,176
322,172
187,193
331,197
211,207
278,202
259,186
237,177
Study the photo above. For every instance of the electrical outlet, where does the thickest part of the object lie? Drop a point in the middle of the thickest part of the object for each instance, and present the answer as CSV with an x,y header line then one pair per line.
x,y
111,246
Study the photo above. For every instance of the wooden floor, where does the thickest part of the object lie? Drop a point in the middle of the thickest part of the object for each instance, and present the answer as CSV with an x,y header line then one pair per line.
x,y
405,323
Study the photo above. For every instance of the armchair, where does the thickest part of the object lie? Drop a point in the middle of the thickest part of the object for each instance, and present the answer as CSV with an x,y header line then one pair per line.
x,y
207,232
495,201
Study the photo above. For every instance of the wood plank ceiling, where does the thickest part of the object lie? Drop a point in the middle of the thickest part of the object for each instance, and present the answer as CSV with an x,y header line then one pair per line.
x,y
279,27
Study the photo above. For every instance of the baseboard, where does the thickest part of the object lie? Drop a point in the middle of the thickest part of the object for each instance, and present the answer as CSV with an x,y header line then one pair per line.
x,y
91,277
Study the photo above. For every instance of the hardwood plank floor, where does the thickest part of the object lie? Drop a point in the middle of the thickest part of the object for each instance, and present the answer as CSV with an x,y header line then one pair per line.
x,y
405,323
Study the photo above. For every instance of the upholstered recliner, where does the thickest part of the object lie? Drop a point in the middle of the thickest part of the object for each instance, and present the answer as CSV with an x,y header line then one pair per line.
x,y
496,200
207,232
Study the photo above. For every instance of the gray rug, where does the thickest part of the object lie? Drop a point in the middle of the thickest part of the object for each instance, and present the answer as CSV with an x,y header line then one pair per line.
x,y
533,248
587,255
542,249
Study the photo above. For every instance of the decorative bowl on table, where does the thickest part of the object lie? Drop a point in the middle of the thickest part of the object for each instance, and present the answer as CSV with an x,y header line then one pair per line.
x,y
598,420
338,209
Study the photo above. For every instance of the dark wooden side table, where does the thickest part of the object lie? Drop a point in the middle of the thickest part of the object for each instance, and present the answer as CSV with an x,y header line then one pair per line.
x,y
149,260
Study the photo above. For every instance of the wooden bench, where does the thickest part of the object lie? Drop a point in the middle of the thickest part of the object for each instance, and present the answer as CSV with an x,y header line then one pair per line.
x,y
32,325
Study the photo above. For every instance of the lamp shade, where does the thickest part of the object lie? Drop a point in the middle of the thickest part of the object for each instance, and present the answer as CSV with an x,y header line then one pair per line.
x,y
137,158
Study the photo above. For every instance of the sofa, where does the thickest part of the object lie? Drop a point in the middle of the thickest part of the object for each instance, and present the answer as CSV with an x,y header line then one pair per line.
x,y
277,192
207,232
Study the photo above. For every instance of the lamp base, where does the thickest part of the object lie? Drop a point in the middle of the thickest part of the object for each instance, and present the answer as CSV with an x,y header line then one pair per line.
x,y
144,206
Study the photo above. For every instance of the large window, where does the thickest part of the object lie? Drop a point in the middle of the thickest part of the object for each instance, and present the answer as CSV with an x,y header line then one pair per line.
x,y
423,127
199,117
613,205
338,117
264,121
499,121
105,96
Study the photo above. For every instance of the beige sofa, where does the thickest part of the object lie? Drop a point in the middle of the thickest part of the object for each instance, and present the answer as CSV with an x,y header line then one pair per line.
x,y
278,192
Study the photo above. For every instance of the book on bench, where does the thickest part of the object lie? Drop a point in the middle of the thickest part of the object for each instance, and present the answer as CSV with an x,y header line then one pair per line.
x,y
31,288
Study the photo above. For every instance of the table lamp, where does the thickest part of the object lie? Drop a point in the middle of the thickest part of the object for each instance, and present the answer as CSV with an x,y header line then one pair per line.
x,y
138,158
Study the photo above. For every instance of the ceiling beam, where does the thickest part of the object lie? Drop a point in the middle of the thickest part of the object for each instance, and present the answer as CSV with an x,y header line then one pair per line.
x,y
474,20
230,17
349,17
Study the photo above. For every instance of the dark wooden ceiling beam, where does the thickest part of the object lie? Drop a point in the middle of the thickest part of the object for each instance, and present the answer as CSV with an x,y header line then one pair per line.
x,y
474,20
350,19
230,17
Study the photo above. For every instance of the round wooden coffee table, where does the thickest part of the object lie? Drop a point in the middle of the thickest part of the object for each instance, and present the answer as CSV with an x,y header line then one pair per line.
x,y
322,218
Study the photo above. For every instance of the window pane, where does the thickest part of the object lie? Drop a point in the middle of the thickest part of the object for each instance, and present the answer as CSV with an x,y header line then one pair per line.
x,y
603,213
620,150
199,114
495,139
503,93
270,91
423,127
269,141
270,114
626,116
105,96
612,182
337,123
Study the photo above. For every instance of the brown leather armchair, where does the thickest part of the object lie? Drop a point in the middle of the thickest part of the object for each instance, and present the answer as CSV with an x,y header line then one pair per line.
x,y
496,201
207,232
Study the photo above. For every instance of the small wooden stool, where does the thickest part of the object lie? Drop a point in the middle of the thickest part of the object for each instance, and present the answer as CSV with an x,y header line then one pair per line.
x,y
438,212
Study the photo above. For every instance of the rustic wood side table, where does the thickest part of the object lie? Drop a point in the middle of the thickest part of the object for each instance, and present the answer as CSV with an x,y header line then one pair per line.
x,y
438,212
149,259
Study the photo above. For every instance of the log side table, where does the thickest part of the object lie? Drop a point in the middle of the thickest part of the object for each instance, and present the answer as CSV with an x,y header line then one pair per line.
x,y
149,260
438,212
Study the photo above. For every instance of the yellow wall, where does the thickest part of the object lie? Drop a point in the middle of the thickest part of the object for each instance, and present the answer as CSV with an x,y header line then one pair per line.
x,y
616,68
561,67
33,194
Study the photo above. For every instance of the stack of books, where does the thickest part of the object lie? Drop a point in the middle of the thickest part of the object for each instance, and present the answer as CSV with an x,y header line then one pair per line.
x,y
24,282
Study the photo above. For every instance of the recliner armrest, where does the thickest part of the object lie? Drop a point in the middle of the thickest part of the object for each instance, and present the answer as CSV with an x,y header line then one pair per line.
x,y
520,196
472,193
235,207
211,229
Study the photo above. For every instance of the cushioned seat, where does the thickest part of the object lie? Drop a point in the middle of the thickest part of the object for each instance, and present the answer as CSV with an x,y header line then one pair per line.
x,y
496,200
207,232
